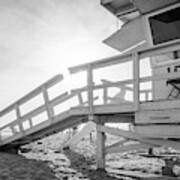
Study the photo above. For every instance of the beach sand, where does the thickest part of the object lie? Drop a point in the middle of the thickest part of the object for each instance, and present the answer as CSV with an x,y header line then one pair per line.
x,y
46,160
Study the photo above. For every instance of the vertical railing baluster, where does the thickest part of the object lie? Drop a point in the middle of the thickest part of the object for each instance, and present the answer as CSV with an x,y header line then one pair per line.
x,y
90,90
49,109
13,130
18,116
136,80
146,96
105,95
30,123
80,98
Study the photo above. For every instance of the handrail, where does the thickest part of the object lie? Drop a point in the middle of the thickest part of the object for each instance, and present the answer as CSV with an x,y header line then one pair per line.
x,y
33,93
102,63
57,100
158,49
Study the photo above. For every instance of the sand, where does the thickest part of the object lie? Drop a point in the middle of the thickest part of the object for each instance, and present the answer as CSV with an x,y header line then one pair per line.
x,y
46,160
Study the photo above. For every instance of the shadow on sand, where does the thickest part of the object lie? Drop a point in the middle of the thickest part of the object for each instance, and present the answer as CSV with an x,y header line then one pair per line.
x,y
82,165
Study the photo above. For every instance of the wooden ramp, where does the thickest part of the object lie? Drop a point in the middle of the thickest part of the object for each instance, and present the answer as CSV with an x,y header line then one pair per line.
x,y
37,114
62,103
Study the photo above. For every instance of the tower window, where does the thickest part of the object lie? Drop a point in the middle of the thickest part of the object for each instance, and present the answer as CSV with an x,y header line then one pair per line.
x,y
165,26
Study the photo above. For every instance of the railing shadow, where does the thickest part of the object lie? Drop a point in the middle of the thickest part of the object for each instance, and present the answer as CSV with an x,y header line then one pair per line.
x,y
83,165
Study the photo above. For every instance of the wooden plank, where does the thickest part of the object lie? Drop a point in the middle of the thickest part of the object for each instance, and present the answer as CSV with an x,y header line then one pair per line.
x,y
19,120
158,131
161,77
139,175
30,123
119,118
114,108
132,147
140,137
49,108
33,93
9,124
160,105
80,98
61,98
100,147
136,81
90,90
33,113
158,116
102,63
114,84
119,143
160,49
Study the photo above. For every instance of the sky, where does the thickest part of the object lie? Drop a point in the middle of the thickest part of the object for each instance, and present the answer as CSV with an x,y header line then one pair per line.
x,y
40,38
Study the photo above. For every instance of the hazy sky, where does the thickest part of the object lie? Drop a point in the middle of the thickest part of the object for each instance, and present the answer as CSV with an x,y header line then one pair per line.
x,y
39,38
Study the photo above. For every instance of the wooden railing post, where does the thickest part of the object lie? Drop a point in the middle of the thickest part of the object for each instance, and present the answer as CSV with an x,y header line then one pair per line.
x,y
49,109
90,91
136,80
105,95
18,116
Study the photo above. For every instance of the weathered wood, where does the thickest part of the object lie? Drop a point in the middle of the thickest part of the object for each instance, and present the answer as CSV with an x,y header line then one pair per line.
x,y
90,90
161,77
140,137
150,117
100,152
30,123
18,115
131,147
160,49
117,144
33,93
136,81
160,105
159,130
80,98
49,108
102,63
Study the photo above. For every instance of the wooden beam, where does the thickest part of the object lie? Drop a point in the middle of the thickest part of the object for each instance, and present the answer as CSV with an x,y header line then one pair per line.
x,y
131,147
100,140
19,120
136,81
90,90
49,109
160,49
122,58
33,93
117,144
138,137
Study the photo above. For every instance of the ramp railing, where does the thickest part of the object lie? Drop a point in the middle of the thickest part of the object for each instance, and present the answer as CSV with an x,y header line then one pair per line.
x,y
35,111
127,74
115,81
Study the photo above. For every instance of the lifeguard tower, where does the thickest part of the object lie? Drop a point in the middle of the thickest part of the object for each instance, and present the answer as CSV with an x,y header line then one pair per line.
x,y
141,86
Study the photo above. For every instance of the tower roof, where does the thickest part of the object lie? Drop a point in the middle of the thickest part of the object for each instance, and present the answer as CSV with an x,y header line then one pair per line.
x,y
130,9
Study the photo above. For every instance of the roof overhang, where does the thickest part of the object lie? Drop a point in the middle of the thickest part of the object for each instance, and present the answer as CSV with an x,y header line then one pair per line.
x,y
131,37
129,9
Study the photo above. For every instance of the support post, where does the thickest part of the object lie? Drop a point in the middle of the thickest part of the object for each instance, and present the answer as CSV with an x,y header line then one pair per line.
x,y
136,80
100,146
90,91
